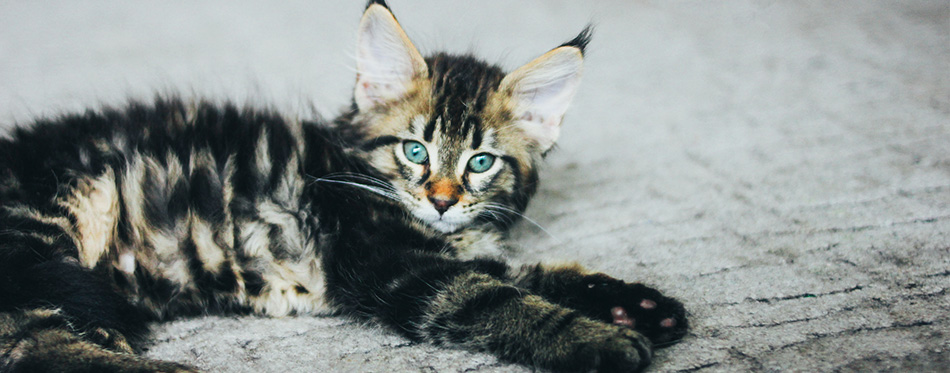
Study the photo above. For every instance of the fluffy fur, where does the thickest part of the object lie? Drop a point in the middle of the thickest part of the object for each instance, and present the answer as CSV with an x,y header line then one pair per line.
x,y
394,212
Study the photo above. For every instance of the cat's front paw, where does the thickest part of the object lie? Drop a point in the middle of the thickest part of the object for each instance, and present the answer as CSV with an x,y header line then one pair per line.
x,y
597,347
661,319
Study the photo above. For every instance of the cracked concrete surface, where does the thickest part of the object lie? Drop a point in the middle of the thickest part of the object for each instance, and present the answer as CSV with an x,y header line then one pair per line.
x,y
781,167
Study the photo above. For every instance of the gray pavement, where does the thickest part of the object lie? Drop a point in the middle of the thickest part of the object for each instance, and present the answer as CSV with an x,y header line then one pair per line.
x,y
781,167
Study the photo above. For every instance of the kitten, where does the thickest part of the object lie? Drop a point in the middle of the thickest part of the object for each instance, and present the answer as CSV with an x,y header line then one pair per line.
x,y
394,212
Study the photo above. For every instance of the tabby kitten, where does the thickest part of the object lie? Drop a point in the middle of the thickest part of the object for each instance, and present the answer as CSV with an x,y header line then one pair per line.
x,y
394,212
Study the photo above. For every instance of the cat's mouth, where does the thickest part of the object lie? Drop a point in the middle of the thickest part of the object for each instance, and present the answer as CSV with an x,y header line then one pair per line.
x,y
448,222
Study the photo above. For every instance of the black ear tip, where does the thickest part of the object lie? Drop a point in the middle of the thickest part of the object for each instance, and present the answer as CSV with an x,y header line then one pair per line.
x,y
580,41
380,2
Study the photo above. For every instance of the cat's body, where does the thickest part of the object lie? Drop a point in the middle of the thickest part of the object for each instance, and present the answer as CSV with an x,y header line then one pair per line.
x,y
111,219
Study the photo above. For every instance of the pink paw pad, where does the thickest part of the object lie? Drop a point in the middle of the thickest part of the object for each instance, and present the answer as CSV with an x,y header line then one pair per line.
x,y
648,304
620,317
668,323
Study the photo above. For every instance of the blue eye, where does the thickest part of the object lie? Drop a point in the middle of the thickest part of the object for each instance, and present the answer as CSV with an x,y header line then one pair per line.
x,y
415,152
481,162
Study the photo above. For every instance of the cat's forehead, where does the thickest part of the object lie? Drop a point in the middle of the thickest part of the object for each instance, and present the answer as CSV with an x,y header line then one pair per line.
x,y
462,78
453,139
461,87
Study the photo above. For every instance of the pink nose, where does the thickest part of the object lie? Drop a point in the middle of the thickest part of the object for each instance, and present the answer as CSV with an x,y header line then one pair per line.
x,y
442,205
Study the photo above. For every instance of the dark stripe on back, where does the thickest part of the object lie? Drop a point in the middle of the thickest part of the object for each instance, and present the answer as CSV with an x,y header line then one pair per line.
x,y
178,201
281,147
207,197
195,268
28,224
253,282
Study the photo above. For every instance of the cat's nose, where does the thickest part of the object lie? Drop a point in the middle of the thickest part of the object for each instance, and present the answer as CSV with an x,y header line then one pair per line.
x,y
442,205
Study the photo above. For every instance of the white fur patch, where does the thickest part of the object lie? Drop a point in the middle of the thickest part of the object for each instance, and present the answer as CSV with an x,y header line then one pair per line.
x,y
127,262
95,204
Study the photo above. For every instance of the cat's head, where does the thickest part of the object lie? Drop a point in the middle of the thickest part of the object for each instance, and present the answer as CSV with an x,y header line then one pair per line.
x,y
458,139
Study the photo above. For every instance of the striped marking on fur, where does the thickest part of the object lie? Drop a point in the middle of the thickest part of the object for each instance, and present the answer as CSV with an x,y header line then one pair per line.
x,y
94,202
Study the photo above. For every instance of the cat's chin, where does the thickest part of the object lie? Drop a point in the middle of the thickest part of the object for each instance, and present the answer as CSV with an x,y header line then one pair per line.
x,y
445,224
445,227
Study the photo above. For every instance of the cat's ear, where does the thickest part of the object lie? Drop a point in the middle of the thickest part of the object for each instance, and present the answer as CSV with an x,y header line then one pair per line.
x,y
542,90
386,61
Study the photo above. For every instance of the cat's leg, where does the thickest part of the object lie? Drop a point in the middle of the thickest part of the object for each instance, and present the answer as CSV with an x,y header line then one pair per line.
x,y
598,296
472,304
55,315
44,340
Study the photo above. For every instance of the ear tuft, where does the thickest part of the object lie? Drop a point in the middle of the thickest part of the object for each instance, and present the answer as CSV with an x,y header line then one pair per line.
x,y
542,90
581,40
386,61
378,2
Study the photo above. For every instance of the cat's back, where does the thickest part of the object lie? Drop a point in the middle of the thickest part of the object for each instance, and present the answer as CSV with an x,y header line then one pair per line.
x,y
186,206
157,127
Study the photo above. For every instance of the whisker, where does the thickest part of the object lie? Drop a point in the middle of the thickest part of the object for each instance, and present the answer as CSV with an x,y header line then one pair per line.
x,y
379,182
498,216
503,208
381,192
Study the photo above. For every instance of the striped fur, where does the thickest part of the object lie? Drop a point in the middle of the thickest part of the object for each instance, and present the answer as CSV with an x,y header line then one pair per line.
x,y
113,218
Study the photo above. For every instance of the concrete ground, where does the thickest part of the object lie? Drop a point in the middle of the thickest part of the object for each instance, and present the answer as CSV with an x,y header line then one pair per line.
x,y
781,167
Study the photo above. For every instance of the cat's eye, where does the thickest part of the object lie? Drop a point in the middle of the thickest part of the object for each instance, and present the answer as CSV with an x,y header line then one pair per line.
x,y
481,162
415,152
